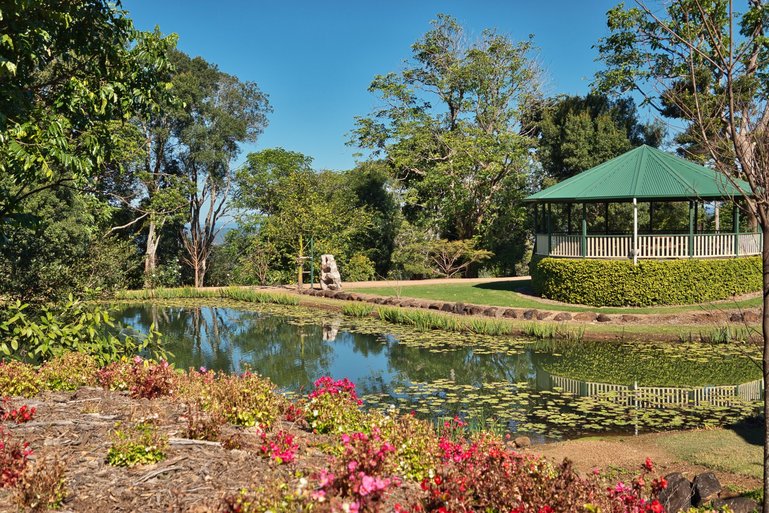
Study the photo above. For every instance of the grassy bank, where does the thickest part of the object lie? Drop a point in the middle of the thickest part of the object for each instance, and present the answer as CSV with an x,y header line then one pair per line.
x,y
517,294
236,293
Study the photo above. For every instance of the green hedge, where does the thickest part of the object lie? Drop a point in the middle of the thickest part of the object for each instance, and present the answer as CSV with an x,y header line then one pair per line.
x,y
651,282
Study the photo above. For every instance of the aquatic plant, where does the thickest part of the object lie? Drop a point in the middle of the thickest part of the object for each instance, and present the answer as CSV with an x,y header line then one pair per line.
x,y
235,293
357,310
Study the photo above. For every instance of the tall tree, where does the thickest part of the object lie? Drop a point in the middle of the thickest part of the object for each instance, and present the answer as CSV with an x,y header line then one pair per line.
x,y
709,64
576,133
221,112
450,129
292,203
69,70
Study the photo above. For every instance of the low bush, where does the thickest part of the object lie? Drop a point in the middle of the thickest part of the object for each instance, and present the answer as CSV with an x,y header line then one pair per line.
x,y
14,456
651,282
19,379
69,371
139,444
245,400
278,446
333,407
42,486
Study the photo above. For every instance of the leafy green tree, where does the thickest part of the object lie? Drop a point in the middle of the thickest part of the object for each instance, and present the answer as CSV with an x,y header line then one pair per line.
x,y
450,127
576,133
707,64
292,204
220,113
68,71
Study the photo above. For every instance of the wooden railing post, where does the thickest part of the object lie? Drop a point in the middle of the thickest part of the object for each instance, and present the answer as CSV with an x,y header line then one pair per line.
x,y
736,229
583,239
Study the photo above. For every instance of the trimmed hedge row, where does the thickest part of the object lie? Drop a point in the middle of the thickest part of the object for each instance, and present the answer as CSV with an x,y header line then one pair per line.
x,y
651,282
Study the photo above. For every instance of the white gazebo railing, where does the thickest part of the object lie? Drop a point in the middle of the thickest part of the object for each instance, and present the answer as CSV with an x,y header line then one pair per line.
x,y
657,246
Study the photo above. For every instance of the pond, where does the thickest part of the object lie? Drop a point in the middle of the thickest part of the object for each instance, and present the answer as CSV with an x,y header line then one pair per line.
x,y
550,389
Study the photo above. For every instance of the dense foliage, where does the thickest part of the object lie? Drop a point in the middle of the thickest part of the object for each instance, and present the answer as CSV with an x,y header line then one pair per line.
x,y
667,282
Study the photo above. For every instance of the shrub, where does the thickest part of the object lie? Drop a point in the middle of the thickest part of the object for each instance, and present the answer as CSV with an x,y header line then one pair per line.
x,y
42,486
358,268
69,371
278,446
245,400
202,425
19,379
333,407
416,454
20,415
14,456
140,444
72,327
150,380
620,283
360,479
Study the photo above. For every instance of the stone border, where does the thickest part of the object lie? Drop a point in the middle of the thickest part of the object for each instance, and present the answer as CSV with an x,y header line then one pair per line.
x,y
533,314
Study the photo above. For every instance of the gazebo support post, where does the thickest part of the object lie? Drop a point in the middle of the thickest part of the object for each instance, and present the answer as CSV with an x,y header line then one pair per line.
x,y
606,219
635,231
568,218
549,228
691,229
736,229
583,239
536,226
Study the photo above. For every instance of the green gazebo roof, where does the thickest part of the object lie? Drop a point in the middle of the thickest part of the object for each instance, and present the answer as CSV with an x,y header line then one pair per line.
x,y
645,173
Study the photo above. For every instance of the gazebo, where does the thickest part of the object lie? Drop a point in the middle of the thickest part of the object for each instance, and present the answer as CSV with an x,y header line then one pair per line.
x,y
642,175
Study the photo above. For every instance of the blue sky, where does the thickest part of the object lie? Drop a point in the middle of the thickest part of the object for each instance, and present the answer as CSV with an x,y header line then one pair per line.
x,y
316,60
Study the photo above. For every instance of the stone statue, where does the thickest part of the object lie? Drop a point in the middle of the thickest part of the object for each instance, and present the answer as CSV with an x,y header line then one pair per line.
x,y
330,279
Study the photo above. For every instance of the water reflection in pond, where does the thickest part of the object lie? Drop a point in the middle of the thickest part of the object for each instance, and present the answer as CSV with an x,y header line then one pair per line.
x,y
553,388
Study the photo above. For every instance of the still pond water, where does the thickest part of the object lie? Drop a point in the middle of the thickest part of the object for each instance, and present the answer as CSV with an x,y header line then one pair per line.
x,y
552,389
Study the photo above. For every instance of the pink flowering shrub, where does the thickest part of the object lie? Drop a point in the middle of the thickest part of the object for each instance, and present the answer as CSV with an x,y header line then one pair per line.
x,y
14,456
142,378
334,407
485,475
359,481
278,446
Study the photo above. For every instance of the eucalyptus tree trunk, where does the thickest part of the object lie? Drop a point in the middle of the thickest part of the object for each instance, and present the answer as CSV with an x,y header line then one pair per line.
x,y
151,253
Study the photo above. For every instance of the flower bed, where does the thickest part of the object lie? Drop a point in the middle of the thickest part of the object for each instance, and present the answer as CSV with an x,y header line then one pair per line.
x,y
218,442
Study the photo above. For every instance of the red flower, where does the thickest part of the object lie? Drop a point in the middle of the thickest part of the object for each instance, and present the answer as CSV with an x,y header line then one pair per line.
x,y
648,465
655,507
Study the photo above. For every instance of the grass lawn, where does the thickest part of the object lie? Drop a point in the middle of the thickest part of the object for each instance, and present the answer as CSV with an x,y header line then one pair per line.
x,y
517,294
738,451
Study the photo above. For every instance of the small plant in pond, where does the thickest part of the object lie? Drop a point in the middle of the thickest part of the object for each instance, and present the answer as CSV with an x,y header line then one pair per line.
x,y
14,456
140,444
19,379
333,406
42,486
357,310
278,446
